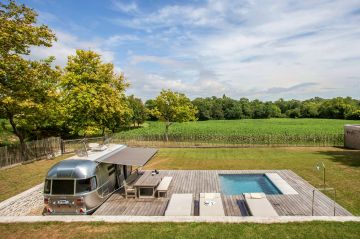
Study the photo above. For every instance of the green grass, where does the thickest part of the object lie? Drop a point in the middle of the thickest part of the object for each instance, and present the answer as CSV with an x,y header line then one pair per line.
x,y
307,230
343,170
22,177
342,166
248,131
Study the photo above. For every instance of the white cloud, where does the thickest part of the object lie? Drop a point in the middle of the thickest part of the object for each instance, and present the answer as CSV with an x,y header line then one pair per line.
x,y
67,44
125,7
120,39
254,48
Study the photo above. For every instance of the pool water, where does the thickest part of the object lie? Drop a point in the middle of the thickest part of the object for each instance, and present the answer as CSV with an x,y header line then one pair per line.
x,y
235,184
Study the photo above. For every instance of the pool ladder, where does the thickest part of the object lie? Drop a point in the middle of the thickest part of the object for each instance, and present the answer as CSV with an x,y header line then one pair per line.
x,y
323,189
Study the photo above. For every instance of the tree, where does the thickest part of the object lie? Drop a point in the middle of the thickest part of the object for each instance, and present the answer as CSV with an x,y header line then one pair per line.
x,y
293,113
173,107
258,109
354,115
217,108
19,30
27,88
246,108
93,95
231,108
204,108
272,110
138,110
309,109
150,105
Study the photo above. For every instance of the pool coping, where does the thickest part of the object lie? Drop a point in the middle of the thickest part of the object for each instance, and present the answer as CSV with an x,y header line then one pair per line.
x,y
283,186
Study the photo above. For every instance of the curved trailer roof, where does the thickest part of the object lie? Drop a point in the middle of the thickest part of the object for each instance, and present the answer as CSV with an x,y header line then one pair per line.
x,y
130,156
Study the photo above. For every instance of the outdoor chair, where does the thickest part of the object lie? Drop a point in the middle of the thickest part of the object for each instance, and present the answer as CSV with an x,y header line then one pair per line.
x,y
130,192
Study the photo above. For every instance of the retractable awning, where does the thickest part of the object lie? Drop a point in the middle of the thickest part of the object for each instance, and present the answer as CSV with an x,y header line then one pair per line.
x,y
131,156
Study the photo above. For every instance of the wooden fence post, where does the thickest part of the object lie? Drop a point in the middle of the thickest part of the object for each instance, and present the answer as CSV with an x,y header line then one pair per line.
x,y
62,146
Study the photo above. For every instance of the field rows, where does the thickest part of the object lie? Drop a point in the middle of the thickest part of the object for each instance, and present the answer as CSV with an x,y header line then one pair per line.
x,y
307,132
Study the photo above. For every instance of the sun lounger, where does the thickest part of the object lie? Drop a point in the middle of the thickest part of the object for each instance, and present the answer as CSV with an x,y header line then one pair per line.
x,y
163,186
258,205
211,205
180,205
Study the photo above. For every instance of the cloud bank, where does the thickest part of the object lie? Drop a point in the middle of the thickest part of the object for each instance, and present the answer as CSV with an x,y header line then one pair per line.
x,y
251,48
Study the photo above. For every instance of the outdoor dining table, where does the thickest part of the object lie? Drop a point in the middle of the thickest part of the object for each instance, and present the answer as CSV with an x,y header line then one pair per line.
x,y
146,185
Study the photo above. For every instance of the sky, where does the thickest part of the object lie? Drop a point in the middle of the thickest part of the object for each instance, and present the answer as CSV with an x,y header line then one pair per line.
x,y
246,48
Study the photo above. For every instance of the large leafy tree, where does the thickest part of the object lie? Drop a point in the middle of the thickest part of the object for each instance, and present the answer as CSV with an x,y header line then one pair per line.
x,y
93,94
27,88
138,110
173,107
204,108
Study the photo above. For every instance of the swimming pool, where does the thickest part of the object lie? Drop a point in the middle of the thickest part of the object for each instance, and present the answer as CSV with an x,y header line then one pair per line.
x,y
235,184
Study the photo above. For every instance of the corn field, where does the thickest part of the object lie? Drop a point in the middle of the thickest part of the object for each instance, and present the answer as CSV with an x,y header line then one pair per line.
x,y
251,132
234,140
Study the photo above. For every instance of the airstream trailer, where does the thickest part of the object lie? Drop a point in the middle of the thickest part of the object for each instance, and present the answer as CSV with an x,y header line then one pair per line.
x,y
80,184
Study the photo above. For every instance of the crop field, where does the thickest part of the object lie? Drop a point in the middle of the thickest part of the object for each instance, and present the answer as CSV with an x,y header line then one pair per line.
x,y
317,132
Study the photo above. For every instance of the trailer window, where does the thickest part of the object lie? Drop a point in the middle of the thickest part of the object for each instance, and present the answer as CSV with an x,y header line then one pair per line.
x,y
47,186
63,187
85,185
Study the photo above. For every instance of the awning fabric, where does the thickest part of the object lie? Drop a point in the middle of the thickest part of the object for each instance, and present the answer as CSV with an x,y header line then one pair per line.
x,y
131,156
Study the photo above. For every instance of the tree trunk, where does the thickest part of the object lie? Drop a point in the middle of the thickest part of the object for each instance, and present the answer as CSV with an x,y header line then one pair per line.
x,y
167,125
20,136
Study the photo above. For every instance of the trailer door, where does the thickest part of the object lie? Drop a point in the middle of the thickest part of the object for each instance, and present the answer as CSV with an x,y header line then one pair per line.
x,y
120,175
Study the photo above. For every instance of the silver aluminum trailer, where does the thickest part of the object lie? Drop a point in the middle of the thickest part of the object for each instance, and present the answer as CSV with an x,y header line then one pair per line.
x,y
80,184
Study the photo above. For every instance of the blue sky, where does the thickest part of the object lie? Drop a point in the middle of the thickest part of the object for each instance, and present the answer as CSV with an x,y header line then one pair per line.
x,y
255,49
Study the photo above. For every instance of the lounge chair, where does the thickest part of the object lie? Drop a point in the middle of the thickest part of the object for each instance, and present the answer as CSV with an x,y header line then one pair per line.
x,y
211,205
163,187
258,205
180,205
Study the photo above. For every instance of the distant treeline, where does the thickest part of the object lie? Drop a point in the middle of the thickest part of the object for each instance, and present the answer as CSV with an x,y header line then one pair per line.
x,y
214,108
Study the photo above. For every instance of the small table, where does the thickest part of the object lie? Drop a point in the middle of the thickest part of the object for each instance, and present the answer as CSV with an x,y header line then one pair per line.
x,y
146,185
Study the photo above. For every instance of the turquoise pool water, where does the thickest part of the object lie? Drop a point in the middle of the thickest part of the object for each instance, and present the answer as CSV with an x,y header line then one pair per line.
x,y
235,184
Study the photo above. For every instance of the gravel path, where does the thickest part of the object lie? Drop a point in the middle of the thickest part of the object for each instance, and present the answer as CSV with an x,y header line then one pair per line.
x,y
30,202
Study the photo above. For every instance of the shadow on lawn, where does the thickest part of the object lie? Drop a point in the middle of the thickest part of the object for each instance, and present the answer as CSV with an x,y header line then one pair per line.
x,y
349,158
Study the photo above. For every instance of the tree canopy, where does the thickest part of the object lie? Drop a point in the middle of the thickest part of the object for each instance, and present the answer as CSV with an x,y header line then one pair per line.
x,y
173,107
27,88
228,108
138,110
19,30
93,94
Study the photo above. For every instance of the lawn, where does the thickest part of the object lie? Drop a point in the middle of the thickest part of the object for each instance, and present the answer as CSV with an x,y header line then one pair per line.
x,y
343,170
342,166
247,131
22,177
180,230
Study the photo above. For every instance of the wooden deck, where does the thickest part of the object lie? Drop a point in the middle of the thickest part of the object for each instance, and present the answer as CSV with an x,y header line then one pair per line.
x,y
199,181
